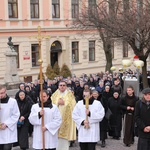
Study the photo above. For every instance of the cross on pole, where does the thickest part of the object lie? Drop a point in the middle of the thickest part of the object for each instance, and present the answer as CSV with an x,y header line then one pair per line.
x,y
39,37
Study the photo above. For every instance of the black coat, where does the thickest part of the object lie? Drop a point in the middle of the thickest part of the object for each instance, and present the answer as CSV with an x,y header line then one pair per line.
x,y
128,101
142,118
79,93
117,88
115,121
36,88
104,101
53,88
25,108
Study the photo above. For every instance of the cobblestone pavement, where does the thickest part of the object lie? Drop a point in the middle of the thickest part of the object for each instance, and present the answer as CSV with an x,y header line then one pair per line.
x,y
111,144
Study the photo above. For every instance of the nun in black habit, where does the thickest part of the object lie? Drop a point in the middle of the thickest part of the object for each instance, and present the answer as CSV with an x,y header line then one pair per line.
x,y
115,122
24,105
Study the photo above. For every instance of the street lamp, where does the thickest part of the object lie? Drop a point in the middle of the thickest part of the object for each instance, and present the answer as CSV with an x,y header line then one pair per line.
x,y
126,63
138,63
113,68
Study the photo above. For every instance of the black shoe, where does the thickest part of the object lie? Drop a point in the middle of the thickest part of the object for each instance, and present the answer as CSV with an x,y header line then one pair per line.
x,y
71,144
103,144
128,145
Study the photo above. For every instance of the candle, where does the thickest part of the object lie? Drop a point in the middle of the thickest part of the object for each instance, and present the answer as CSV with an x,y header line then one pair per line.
x,y
86,103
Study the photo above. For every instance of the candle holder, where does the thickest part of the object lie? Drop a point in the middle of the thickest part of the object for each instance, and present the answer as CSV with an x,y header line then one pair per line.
x,y
87,106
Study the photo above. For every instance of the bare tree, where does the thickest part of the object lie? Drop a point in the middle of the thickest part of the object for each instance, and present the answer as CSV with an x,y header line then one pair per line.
x,y
90,18
126,19
131,22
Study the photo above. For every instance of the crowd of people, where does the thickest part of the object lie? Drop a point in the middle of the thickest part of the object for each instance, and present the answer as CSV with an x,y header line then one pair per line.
x,y
62,114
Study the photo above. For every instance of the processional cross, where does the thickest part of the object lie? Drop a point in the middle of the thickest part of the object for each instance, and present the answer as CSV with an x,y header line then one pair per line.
x,y
39,37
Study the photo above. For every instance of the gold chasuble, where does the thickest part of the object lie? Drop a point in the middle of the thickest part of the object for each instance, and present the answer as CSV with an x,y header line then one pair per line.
x,y
67,129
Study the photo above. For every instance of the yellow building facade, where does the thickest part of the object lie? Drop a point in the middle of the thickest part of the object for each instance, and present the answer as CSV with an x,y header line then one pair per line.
x,y
81,51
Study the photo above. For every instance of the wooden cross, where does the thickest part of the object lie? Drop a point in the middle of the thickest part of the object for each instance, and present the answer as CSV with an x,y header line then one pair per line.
x,y
39,37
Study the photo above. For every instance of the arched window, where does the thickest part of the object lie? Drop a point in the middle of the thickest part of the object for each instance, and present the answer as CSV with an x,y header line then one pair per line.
x,y
56,47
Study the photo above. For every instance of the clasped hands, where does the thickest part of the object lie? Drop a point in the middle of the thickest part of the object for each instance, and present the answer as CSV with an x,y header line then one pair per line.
x,y
61,101
130,108
21,118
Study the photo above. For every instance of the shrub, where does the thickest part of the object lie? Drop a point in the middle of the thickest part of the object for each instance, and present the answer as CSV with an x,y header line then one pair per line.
x,y
65,71
56,68
50,72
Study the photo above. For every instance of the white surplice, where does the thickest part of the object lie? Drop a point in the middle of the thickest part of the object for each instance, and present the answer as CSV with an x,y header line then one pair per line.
x,y
9,115
63,142
96,115
52,121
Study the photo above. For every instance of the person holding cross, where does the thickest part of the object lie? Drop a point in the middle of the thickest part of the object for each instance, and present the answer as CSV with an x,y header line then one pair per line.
x,y
88,128
52,122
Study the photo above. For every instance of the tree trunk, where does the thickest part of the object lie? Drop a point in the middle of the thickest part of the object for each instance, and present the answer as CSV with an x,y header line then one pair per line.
x,y
108,55
144,74
107,48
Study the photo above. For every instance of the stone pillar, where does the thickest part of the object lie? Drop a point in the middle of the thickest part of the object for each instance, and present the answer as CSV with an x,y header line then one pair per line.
x,y
11,75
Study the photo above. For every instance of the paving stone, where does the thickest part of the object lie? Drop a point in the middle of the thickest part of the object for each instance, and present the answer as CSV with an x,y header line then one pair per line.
x,y
111,144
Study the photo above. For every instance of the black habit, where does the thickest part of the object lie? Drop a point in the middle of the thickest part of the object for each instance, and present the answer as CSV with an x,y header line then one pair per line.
x,y
128,118
115,122
25,108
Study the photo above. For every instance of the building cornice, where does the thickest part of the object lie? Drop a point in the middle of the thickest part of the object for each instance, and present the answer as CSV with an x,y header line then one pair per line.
x,y
35,29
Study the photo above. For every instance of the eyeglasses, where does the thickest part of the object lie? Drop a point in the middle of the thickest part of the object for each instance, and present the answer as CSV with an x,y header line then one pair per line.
x,y
62,85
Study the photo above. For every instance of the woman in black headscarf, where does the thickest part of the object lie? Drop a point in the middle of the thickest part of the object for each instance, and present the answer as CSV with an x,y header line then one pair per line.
x,y
106,94
115,121
24,105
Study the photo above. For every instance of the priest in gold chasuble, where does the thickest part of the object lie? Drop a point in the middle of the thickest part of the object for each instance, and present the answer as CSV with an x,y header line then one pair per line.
x,y
65,101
